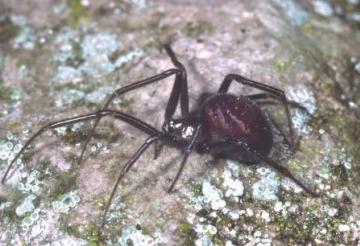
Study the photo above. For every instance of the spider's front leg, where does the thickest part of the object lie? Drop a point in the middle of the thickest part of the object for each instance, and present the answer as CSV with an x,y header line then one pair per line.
x,y
187,152
126,168
143,126
179,91
268,97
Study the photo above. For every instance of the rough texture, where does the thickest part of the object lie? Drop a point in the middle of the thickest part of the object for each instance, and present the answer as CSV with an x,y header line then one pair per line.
x,y
61,59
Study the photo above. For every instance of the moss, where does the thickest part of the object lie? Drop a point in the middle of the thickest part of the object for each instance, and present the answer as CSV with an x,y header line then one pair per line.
x,y
196,188
5,92
345,130
7,30
297,166
152,44
217,240
185,230
93,236
77,58
224,220
202,213
292,229
341,174
195,29
144,230
281,66
93,244
78,13
16,198
302,227
185,227
89,231
9,93
72,137
100,203
64,182
117,54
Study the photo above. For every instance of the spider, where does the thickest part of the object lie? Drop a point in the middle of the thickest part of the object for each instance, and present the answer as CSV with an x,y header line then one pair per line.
x,y
225,125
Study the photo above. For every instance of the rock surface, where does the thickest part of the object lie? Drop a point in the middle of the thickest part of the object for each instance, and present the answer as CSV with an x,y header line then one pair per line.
x,y
60,59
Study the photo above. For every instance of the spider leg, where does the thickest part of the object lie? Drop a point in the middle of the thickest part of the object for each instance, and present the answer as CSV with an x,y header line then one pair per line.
x,y
143,126
123,90
280,169
184,97
285,172
263,96
179,90
187,152
126,168
267,99
270,89
231,147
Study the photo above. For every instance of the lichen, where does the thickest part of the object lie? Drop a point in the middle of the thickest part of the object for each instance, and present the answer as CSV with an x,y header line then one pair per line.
x,y
234,186
323,8
66,202
26,37
141,4
68,97
99,94
96,49
133,236
67,73
294,11
30,183
267,187
10,93
80,45
26,206
212,196
301,118
9,147
93,55
116,211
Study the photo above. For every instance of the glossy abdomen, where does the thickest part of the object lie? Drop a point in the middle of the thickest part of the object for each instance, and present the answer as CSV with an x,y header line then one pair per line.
x,y
228,118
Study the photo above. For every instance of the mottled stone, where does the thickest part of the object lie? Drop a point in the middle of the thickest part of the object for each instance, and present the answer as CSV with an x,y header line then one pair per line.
x,y
60,60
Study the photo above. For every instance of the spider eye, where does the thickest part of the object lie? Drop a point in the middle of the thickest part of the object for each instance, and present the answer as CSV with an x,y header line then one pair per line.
x,y
168,127
187,132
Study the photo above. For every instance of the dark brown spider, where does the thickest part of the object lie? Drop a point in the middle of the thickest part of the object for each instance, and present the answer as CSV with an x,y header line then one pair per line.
x,y
225,125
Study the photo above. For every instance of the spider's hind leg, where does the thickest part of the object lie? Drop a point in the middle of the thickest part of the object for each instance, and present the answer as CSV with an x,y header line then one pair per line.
x,y
270,99
285,172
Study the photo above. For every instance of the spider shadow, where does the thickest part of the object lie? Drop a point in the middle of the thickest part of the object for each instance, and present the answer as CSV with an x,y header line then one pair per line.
x,y
54,145
163,171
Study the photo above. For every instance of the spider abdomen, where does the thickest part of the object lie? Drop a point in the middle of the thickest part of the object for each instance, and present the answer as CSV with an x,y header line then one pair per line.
x,y
228,118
